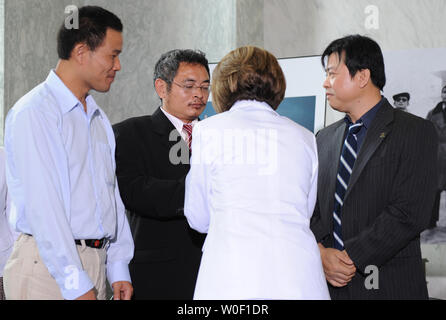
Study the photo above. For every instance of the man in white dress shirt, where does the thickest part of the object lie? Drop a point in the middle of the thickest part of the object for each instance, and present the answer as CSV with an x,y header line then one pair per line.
x,y
61,178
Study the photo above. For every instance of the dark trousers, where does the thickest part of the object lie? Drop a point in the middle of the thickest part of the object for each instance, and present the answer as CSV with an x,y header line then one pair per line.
x,y
2,292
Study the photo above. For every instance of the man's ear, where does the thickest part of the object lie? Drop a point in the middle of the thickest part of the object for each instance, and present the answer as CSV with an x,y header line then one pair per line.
x,y
161,88
363,77
79,52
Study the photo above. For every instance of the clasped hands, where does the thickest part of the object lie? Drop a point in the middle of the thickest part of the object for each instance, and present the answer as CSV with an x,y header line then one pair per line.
x,y
339,269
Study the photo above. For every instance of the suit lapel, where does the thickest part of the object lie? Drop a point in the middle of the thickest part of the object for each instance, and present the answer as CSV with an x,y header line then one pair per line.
x,y
169,135
163,127
331,157
376,134
338,141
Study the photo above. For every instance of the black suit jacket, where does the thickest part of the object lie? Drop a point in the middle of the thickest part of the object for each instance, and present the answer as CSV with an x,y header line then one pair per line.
x,y
167,250
387,205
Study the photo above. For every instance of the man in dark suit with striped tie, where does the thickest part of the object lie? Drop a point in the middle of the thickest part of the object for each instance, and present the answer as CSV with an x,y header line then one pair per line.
x,y
376,183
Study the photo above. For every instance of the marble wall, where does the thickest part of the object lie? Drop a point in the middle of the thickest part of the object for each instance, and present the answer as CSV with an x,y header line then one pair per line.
x,y
30,44
302,27
150,29
250,18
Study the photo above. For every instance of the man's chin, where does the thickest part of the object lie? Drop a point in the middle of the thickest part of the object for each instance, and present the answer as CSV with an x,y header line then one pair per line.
x,y
197,110
335,106
102,89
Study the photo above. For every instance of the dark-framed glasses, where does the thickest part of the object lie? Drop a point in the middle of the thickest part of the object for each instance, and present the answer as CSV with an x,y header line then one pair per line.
x,y
189,87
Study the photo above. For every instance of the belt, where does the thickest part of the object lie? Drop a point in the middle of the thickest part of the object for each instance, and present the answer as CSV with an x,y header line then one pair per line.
x,y
94,243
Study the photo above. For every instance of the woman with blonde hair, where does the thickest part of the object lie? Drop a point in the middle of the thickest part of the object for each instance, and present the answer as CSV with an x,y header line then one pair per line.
x,y
252,188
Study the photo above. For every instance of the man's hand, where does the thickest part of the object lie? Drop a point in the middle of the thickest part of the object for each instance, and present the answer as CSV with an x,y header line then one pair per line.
x,y
338,267
89,295
122,290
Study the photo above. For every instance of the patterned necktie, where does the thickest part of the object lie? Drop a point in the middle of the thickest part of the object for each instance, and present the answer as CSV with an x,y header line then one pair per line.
x,y
188,130
347,161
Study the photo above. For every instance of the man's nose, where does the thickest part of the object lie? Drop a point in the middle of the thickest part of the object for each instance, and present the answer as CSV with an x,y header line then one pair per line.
x,y
198,92
117,65
326,83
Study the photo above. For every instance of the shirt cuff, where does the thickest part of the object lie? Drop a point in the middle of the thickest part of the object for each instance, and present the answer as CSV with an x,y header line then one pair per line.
x,y
118,271
75,284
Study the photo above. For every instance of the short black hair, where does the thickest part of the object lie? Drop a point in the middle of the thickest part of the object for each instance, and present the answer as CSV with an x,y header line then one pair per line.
x,y
167,66
359,53
93,24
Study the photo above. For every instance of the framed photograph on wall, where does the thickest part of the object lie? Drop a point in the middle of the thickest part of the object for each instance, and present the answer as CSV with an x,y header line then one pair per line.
x,y
304,101
416,83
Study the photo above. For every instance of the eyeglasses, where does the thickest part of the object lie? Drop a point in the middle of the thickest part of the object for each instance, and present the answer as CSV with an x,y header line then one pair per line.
x,y
403,99
188,88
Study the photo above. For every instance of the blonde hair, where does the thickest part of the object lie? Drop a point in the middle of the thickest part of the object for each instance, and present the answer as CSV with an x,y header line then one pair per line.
x,y
247,73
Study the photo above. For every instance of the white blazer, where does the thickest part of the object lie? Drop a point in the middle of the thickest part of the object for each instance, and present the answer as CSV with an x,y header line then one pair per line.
x,y
252,188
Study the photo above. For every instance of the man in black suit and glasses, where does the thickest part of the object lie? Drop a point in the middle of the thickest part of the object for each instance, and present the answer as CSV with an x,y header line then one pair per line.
x,y
376,181
152,161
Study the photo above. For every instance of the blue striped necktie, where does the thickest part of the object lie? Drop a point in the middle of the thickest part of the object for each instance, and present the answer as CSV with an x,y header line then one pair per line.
x,y
347,161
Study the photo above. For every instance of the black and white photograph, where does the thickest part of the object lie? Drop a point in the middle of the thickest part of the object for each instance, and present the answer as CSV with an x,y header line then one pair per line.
x,y
417,84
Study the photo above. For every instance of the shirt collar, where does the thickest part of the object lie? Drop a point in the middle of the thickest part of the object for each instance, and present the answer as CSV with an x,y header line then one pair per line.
x,y
368,117
177,123
250,103
66,100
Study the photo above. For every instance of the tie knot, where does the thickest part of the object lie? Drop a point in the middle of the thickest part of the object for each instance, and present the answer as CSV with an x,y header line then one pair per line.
x,y
187,128
355,127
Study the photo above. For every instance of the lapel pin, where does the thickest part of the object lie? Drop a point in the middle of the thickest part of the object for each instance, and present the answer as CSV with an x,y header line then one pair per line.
x,y
383,135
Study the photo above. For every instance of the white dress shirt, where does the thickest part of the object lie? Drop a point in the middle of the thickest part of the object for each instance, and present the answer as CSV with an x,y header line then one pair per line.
x,y
178,124
7,236
61,177
252,187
